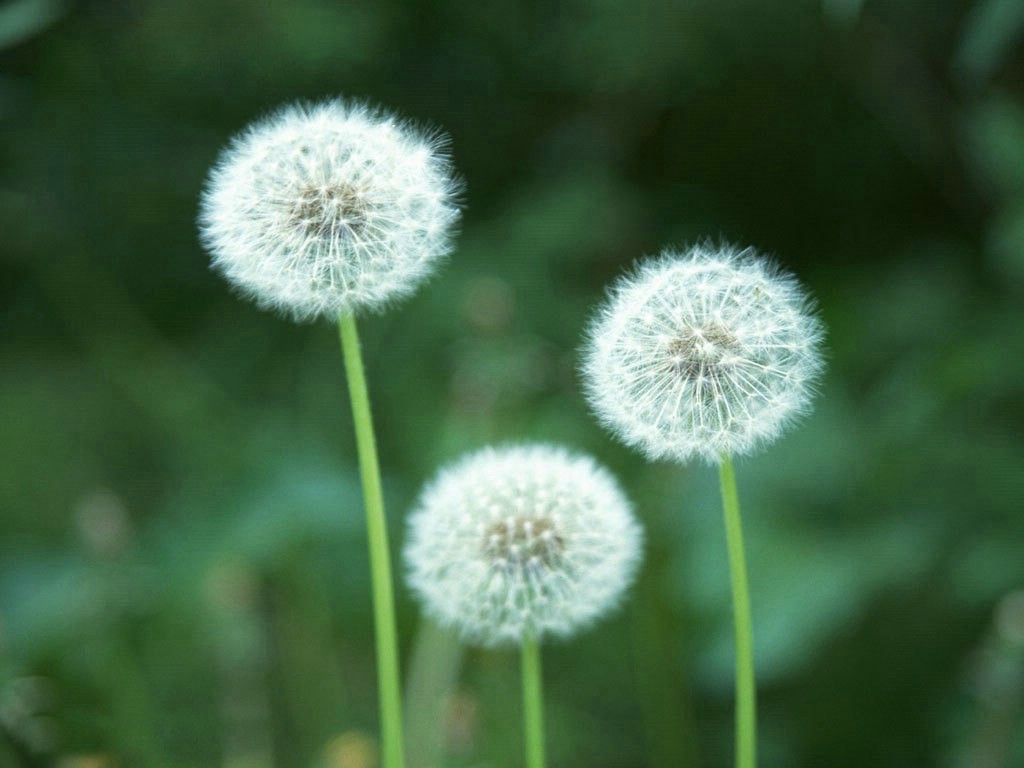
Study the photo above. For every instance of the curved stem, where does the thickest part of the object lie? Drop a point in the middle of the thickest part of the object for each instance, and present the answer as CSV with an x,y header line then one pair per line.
x,y
746,693
533,704
380,556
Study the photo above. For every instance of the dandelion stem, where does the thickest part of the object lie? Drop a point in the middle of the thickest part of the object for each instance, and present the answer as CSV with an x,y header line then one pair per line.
x,y
432,674
380,556
746,718
533,704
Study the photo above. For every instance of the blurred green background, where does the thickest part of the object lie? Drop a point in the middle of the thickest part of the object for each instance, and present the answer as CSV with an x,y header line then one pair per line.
x,y
183,580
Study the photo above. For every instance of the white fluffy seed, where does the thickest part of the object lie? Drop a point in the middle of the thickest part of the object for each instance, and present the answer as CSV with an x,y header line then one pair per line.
x,y
329,208
524,539
707,353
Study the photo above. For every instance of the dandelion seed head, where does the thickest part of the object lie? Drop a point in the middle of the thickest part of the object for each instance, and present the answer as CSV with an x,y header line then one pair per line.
x,y
521,540
329,208
703,354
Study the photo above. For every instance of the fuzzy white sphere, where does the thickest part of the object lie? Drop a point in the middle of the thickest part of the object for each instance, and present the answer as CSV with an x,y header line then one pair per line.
x,y
327,209
706,353
521,540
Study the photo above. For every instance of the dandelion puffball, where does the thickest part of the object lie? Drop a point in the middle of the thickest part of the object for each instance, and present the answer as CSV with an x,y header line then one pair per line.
x,y
707,353
329,208
524,540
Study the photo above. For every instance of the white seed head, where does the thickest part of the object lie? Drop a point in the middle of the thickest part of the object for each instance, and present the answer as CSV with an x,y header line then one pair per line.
x,y
706,353
521,540
329,208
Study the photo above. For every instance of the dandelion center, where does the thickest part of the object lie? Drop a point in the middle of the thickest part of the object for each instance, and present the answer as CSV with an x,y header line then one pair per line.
x,y
698,353
330,212
521,540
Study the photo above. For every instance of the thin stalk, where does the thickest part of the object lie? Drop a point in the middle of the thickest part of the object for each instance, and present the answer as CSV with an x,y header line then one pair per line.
x,y
746,693
380,556
659,645
533,704
433,670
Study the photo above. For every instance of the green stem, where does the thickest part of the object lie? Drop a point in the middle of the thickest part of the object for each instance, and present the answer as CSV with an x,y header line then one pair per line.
x,y
433,671
380,556
746,694
533,704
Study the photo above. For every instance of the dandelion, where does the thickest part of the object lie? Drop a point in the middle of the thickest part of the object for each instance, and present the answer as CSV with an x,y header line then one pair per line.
x,y
703,354
707,354
524,540
515,544
328,210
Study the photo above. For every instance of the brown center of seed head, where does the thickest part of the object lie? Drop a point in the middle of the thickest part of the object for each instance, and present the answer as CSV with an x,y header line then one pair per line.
x,y
698,352
519,540
330,212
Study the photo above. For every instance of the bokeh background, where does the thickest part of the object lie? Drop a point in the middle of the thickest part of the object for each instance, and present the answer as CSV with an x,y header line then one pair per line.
x,y
183,580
